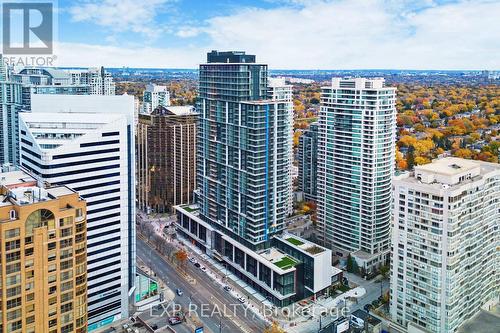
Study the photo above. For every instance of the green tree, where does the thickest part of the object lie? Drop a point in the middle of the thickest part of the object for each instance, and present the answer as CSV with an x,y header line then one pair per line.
x,y
352,265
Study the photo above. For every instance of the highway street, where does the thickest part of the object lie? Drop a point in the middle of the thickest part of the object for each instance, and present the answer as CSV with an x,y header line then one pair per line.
x,y
209,296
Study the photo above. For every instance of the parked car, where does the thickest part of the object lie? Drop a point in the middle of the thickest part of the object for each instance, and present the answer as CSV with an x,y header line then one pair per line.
x,y
174,320
368,307
197,264
227,288
242,299
203,268
192,259
179,292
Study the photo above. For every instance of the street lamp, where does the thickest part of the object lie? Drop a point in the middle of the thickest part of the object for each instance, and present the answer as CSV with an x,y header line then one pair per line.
x,y
220,324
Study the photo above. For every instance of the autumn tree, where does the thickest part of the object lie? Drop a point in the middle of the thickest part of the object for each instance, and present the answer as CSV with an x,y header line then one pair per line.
x,y
181,256
274,328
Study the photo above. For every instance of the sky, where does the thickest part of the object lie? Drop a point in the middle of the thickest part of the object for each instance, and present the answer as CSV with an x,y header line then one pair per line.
x,y
286,34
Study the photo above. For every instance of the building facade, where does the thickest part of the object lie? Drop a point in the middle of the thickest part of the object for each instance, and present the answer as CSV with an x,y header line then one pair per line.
x,y
166,158
10,106
99,81
243,149
357,125
243,182
154,96
43,257
279,90
445,242
308,162
87,143
35,80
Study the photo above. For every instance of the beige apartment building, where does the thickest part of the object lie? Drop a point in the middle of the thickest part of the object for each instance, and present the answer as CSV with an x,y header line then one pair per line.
x,y
43,257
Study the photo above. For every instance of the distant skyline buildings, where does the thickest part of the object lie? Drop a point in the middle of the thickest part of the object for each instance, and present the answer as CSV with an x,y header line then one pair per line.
x,y
87,143
356,146
153,96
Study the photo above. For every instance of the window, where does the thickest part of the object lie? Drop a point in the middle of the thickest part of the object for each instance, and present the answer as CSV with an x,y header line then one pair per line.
x,y
12,245
12,233
14,291
9,257
12,303
40,218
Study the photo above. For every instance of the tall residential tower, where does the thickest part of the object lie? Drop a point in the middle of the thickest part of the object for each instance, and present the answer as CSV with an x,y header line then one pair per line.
x,y
43,256
308,162
10,106
357,132
166,158
445,244
243,179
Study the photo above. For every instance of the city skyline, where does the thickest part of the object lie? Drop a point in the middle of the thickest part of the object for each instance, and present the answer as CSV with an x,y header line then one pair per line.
x,y
172,34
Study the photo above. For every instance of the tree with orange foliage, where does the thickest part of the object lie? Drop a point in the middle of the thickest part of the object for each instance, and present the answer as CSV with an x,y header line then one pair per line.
x,y
181,256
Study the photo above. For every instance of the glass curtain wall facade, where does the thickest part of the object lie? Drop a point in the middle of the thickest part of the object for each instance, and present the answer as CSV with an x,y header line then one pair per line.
x,y
357,125
243,156
308,162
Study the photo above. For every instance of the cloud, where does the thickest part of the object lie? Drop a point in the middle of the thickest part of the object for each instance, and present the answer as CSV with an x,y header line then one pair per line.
x,y
87,55
365,34
187,32
121,15
340,34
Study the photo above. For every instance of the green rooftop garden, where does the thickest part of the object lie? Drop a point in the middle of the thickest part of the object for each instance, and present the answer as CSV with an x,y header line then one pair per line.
x,y
294,241
189,209
286,263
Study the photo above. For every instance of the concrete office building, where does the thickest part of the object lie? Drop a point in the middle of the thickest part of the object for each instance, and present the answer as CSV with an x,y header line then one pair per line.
x,y
445,244
154,96
308,162
166,158
43,257
356,146
243,188
10,106
87,143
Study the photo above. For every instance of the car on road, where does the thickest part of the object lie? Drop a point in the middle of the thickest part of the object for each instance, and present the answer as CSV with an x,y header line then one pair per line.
x,y
197,264
242,299
174,320
179,292
227,288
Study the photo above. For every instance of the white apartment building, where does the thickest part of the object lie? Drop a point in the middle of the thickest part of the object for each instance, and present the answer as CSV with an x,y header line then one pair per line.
x,y
99,81
445,243
356,146
154,96
86,142
278,90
